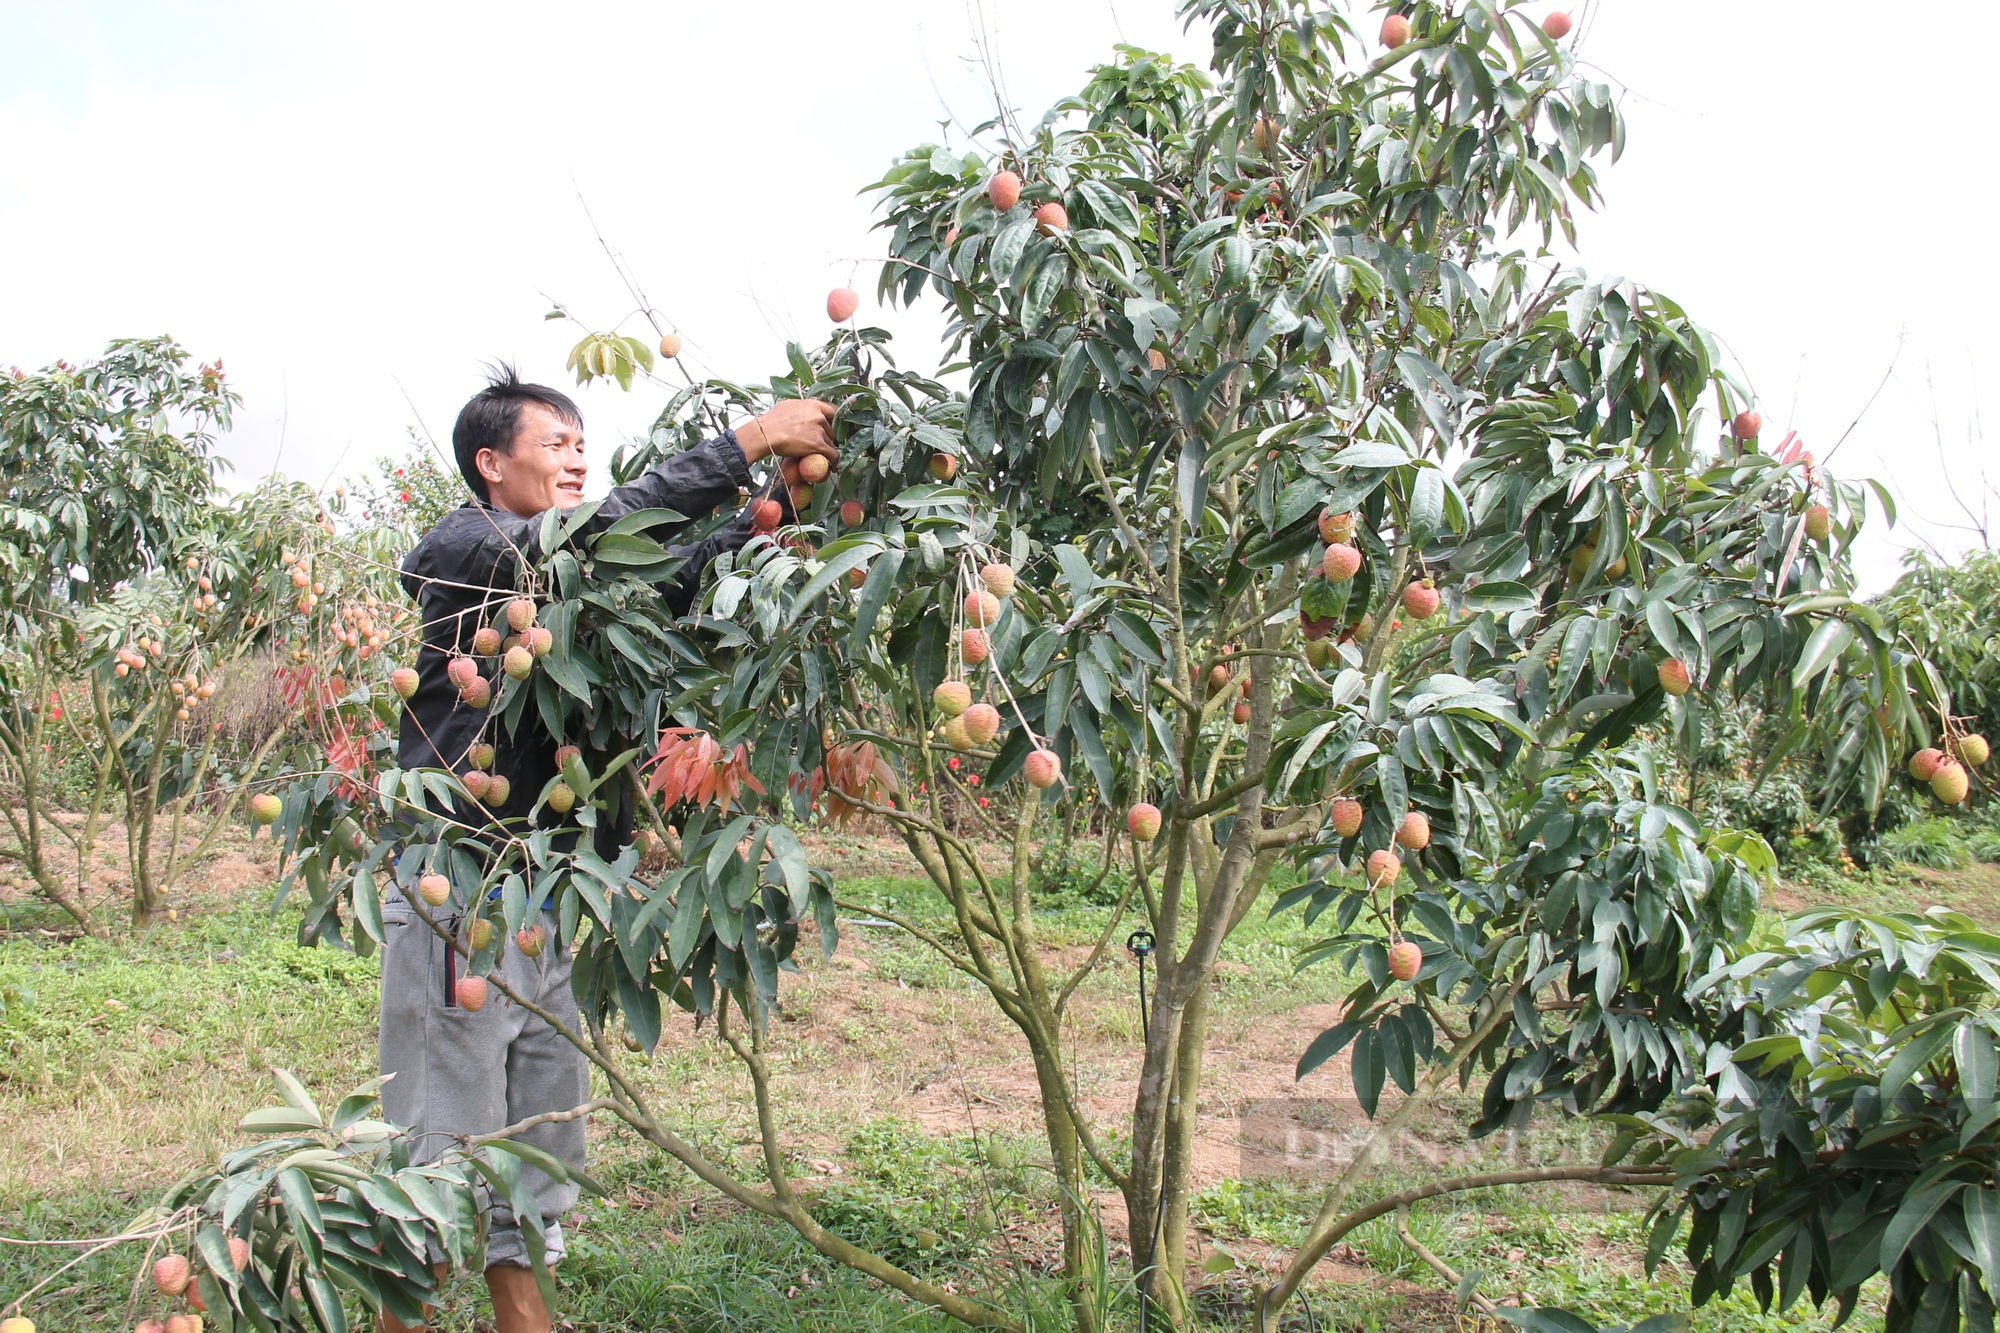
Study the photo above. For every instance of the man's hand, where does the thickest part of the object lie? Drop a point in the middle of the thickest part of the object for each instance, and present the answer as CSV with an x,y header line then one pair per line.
x,y
792,429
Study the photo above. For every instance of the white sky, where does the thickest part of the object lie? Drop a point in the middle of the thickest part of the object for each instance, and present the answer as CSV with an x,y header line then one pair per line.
x,y
357,205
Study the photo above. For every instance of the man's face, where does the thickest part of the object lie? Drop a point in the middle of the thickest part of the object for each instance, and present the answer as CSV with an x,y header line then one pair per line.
x,y
545,469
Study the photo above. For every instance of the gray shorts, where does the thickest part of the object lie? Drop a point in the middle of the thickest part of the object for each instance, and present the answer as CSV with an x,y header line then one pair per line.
x,y
459,1072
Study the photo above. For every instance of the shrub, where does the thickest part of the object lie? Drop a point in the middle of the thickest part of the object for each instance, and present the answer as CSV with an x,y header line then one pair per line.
x,y
1935,843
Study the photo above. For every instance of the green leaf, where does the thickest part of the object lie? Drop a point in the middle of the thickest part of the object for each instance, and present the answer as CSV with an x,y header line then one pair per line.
x,y
1822,650
1915,1214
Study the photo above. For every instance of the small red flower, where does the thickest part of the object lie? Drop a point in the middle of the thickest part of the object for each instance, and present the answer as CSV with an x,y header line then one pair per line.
x,y
983,802
972,780
405,497
952,764
399,472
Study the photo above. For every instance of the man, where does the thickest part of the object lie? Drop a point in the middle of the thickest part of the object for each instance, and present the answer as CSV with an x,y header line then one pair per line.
x,y
520,449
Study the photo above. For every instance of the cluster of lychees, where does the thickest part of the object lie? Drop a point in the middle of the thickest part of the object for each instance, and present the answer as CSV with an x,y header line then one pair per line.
x,y
967,725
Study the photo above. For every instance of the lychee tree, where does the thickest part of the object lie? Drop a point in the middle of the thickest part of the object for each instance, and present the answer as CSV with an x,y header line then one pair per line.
x,y
1336,488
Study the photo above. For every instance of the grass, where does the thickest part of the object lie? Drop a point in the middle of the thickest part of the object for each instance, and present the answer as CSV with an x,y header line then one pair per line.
x,y
127,1063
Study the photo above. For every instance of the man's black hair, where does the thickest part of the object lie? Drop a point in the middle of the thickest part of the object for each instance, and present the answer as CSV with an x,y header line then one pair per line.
x,y
492,417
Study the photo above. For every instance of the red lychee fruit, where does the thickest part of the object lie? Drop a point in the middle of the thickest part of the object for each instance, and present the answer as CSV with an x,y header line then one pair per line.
x,y
480,755
1924,763
518,662
462,671
529,940
1240,714
565,753
1004,190
952,697
1405,960
1347,814
1051,218
265,808
1974,750
852,515
1819,523
982,608
670,345
841,303
485,641
498,790
170,1275
1384,867
1556,25
561,798
477,784
765,516
1950,783
478,694
998,578
539,639
1395,30
470,993
1340,562
1143,820
520,614
1421,600
1042,769
1415,833
1747,424
943,467
813,469
1334,528
403,680
973,646
982,723
434,889
1674,678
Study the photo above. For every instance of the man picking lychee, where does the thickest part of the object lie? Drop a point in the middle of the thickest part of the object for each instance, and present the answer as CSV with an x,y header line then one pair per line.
x,y
463,1066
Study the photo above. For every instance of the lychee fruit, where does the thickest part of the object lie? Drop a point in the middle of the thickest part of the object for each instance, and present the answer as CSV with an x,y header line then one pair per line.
x,y
477,784
765,516
561,798
998,578
1674,678
1334,527
943,466
485,641
498,790
1421,599
852,514
1974,750
973,646
1556,25
265,808
670,345
952,697
1819,523
1264,133
1950,783
1924,763
239,1253
982,723
1747,424
539,640
462,671
1318,654
170,1275
813,469
565,753
1218,678
470,993
518,662
841,303
1384,867
1340,562
1405,960
478,694
1240,714
802,497
434,889
1042,769
1004,190
403,680
982,608
1051,218
149,1326
182,1323
1156,359
954,734
1143,820
1347,814
480,934
1415,833
529,940
520,614
1395,30
480,755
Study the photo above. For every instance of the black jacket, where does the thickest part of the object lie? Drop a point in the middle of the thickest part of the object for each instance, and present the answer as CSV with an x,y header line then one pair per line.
x,y
463,572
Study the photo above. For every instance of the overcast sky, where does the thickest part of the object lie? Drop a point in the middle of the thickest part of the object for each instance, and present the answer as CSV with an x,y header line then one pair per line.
x,y
356,205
